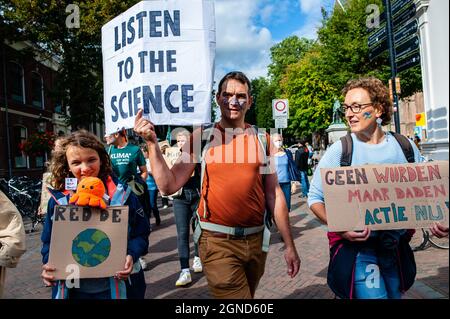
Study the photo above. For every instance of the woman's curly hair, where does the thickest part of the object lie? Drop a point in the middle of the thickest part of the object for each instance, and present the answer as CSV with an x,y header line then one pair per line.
x,y
59,167
378,92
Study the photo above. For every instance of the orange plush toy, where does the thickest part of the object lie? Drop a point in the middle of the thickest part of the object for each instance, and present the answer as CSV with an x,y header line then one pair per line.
x,y
90,192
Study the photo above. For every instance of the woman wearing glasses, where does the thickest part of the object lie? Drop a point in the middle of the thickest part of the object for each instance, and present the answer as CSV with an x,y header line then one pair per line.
x,y
365,264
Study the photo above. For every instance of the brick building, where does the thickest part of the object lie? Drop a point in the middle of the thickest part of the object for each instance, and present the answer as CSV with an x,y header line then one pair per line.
x,y
26,106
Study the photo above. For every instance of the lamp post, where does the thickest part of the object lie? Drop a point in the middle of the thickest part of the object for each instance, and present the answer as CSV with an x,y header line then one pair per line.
x,y
8,142
41,124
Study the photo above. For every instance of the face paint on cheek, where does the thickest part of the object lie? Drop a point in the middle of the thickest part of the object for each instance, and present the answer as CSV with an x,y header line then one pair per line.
x,y
367,115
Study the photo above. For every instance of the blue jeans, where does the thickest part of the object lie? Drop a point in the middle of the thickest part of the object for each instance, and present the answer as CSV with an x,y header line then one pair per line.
x,y
184,209
153,206
286,188
376,276
305,183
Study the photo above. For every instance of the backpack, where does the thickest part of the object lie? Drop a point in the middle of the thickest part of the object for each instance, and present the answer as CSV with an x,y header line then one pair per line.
x,y
238,231
347,148
340,273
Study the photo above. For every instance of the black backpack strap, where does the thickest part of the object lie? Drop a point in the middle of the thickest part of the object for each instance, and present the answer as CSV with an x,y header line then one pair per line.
x,y
406,147
347,150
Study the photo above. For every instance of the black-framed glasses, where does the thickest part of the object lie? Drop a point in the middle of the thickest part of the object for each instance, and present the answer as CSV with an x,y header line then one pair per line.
x,y
355,107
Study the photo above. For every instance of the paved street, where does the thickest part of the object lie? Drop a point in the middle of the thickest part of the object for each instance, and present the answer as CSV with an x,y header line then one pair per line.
x,y
310,238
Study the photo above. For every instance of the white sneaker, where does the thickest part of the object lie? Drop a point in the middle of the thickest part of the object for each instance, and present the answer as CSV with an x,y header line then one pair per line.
x,y
184,279
165,206
143,263
197,264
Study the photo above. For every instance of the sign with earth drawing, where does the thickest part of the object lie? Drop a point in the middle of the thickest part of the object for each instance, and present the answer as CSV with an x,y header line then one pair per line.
x,y
88,242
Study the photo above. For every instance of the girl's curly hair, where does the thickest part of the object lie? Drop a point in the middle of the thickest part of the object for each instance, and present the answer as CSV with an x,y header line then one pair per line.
x,y
59,167
378,92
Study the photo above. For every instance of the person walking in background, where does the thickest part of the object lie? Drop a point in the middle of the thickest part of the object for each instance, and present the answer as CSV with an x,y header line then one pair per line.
x,y
417,141
152,188
12,237
164,145
126,159
310,153
286,169
184,207
301,160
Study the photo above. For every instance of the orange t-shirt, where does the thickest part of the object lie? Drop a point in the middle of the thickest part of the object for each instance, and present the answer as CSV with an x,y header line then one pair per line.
x,y
232,183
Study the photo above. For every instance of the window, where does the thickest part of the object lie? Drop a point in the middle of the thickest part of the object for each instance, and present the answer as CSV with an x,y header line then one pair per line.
x,y
17,84
37,90
60,108
19,136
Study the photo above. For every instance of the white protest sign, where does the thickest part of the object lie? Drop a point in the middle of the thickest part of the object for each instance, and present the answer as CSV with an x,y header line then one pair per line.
x,y
280,108
159,56
389,196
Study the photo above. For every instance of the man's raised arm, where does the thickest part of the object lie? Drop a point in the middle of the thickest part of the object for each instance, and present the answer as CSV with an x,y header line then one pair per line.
x,y
168,180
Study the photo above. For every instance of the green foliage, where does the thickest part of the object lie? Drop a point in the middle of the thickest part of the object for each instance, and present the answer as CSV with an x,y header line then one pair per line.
x,y
310,96
311,74
345,54
263,94
287,52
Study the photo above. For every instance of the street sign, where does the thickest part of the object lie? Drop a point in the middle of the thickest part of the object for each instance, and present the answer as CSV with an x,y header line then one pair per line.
x,y
280,108
379,35
408,62
408,46
405,31
405,15
281,122
400,33
376,51
396,9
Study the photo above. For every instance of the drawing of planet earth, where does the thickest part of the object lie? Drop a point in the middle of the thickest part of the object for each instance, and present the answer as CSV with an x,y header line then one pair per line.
x,y
91,247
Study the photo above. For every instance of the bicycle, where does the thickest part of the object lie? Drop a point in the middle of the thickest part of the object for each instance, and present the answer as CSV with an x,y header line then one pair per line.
x,y
27,204
429,239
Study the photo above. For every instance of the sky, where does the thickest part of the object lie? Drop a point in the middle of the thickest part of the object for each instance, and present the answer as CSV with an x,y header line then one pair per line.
x,y
247,29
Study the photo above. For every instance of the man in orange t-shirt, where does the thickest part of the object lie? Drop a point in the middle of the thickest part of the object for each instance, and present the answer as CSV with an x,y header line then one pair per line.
x,y
234,193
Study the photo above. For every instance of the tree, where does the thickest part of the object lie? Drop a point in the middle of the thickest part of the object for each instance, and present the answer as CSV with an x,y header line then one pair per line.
x,y
287,52
263,94
47,24
344,52
310,96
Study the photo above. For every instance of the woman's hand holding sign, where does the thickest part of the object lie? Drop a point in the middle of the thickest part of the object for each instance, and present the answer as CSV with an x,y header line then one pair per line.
x,y
145,128
356,236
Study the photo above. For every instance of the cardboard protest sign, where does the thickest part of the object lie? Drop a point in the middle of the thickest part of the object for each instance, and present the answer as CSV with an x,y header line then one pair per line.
x,y
171,155
159,56
45,195
91,241
393,196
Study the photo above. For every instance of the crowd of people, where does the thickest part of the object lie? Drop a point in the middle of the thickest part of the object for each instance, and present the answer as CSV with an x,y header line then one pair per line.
x,y
229,205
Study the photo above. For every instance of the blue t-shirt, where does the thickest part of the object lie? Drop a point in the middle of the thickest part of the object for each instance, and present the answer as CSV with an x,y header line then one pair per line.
x,y
282,167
